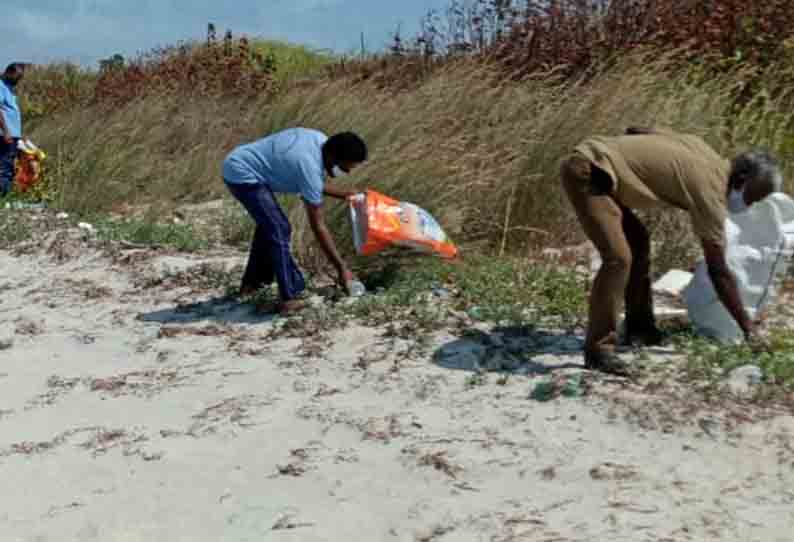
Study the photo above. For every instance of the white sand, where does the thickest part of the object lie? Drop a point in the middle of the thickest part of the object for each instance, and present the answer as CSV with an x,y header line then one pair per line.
x,y
109,432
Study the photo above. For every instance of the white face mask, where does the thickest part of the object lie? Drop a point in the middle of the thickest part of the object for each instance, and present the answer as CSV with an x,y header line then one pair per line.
x,y
736,203
337,172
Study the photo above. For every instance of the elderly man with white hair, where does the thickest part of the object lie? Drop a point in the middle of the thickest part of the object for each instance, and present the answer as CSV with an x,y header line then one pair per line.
x,y
606,178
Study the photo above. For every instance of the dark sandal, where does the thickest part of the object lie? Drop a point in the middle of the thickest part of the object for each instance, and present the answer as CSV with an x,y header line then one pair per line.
x,y
288,308
607,362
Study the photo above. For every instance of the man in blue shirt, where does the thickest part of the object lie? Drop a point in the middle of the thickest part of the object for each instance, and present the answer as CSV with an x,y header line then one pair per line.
x,y
10,124
293,161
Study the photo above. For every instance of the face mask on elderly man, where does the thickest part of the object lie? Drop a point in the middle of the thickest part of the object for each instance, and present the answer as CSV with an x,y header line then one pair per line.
x,y
736,203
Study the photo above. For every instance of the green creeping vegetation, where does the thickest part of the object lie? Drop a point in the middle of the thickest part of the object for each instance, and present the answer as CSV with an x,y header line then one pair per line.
x,y
507,290
181,237
428,291
708,363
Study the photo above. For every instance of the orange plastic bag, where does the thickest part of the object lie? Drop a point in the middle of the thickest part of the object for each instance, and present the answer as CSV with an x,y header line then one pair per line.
x,y
28,165
380,222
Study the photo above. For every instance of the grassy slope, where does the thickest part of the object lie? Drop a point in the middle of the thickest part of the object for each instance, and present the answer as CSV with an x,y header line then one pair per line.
x,y
478,152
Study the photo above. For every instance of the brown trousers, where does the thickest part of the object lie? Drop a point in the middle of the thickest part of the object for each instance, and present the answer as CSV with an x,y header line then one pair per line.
x,y
624,245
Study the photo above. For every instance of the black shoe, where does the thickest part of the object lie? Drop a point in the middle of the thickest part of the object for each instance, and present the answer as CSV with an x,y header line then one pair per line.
x,y
606,361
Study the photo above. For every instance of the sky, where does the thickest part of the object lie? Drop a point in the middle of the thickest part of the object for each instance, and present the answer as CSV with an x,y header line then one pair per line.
x,y
84,31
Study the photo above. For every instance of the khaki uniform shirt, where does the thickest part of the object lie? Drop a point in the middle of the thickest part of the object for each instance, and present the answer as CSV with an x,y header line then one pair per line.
x,y
679,170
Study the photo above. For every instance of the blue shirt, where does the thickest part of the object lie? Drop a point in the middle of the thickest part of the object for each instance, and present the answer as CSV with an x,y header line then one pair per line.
x,y
288,162
9,107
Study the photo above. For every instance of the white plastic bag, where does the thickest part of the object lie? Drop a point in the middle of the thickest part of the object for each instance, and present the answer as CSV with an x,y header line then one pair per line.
x,y
759,244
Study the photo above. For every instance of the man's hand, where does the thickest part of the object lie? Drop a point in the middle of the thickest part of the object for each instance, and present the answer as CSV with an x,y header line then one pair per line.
x,y
326,242
725,285
7,139
344,278
756,342
338,192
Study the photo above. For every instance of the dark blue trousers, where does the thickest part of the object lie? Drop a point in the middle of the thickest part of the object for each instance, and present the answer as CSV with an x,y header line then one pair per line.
x,y
270,256
8,154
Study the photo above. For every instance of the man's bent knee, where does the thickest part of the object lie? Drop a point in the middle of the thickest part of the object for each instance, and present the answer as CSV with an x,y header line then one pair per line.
x,y
616,263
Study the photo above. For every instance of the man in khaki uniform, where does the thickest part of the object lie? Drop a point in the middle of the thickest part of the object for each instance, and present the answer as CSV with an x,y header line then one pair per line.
x,y
606,177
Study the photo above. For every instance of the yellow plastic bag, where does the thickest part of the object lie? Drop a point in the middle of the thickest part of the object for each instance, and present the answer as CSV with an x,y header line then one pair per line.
x,y
28,165
380,222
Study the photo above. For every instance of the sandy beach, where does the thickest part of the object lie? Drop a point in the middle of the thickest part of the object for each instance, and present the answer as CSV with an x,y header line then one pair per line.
x,y
132,410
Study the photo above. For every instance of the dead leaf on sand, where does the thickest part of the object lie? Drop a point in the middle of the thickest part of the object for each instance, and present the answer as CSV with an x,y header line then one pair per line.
x,y
441,462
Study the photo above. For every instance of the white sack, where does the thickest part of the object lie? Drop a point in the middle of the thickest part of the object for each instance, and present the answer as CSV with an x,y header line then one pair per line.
x,y
759,243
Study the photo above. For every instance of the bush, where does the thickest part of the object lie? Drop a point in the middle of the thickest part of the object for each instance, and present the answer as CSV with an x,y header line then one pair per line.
x,y
216,68
227,68
52,89
573,35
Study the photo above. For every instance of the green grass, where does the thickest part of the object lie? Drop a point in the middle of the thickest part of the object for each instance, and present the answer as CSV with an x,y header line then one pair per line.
x,y
417,297
514,291
148,234
507,290
709,363
476,380
236,227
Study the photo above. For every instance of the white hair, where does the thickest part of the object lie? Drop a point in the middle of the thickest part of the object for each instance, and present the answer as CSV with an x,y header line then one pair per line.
x,y
756,166
777,181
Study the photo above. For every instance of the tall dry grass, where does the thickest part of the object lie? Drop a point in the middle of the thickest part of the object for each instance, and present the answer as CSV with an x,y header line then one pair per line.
x,y
477,151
